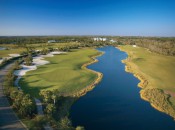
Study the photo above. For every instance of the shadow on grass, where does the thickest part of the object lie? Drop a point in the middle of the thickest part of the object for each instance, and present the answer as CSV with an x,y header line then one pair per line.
x,y
42,67
72,50
62,54
33,91
138,59
34,81
64,106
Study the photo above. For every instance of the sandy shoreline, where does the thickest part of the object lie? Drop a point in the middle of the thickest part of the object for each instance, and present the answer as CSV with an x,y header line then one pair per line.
x,y
143,81
142,84
97,80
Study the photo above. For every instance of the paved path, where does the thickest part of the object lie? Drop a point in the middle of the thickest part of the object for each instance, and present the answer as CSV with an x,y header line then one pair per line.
x,y
8,119
40,112
39,106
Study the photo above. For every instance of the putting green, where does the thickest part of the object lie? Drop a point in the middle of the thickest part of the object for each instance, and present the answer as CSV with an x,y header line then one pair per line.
x,y
63,73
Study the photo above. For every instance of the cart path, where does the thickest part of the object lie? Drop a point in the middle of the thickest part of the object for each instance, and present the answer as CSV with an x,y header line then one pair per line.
x,y
40,112
8,118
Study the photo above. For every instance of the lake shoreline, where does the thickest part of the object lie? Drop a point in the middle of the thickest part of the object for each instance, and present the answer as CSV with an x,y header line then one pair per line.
x,y
84,66
142,84
96,81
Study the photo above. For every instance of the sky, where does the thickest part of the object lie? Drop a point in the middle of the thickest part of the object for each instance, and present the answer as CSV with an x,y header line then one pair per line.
x,y
87,17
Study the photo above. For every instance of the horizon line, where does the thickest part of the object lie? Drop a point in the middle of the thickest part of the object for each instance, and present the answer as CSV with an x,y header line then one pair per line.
x,y
85,35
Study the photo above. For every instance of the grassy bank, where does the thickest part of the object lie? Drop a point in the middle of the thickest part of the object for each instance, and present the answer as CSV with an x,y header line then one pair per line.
x,y
156,73
65,73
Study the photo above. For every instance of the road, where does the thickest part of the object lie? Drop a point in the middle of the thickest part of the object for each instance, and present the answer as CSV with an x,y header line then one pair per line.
x,y
8,118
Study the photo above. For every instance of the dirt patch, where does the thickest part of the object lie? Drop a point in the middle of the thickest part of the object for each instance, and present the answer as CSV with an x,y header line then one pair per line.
x,y
172,94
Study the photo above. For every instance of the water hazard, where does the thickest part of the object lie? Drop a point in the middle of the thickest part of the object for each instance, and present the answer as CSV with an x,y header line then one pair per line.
x,y
115,103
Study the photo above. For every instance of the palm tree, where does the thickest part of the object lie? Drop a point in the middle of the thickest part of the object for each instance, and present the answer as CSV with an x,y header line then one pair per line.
x,y
80,128
27,105
46,96
54,98
28,60
50,109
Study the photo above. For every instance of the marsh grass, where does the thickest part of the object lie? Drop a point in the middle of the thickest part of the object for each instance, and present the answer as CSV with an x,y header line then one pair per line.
x,y
156,73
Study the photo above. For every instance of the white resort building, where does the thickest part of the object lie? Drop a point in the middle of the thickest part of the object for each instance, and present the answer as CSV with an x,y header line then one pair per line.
x,y
51,41
99,39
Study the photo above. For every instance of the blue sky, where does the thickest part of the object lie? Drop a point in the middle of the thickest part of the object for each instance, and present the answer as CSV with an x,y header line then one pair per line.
x,y
87,17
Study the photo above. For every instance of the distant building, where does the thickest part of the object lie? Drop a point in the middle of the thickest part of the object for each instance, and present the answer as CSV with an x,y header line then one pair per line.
x,y
51,41
99,39
112,41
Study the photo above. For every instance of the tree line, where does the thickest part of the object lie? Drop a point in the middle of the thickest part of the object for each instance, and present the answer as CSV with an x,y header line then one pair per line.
x,y
163,45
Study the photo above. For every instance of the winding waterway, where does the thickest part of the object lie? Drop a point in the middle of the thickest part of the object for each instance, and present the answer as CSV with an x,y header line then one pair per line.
x,y
115,103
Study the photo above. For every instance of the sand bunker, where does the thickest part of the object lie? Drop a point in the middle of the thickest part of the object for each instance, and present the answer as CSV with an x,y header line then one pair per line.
x,y
57,52
1,60
9,57
5,58
14,55
37,61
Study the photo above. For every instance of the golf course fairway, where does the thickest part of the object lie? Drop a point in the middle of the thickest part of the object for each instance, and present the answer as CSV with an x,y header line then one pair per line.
x,y
64,72
156,73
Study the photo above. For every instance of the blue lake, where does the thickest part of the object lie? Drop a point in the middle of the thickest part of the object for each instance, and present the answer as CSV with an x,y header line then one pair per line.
x,y
115,103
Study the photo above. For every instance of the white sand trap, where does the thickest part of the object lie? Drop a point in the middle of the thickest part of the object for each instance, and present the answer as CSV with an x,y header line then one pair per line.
x,y
24,69
1,60
57,52
5,58
14,55
37,61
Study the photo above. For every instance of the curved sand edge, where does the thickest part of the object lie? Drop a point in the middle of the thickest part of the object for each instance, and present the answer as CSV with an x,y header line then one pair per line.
x,y
142,84
95,82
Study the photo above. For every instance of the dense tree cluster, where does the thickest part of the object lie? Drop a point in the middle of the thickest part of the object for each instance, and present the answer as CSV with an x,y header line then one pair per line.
x,y
41,39
50,98
53,100
160,100
21,102
165,47
28,60
17,65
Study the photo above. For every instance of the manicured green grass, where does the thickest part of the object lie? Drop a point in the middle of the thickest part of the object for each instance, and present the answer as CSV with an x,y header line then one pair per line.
x,y
159,70
63,73
4,53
